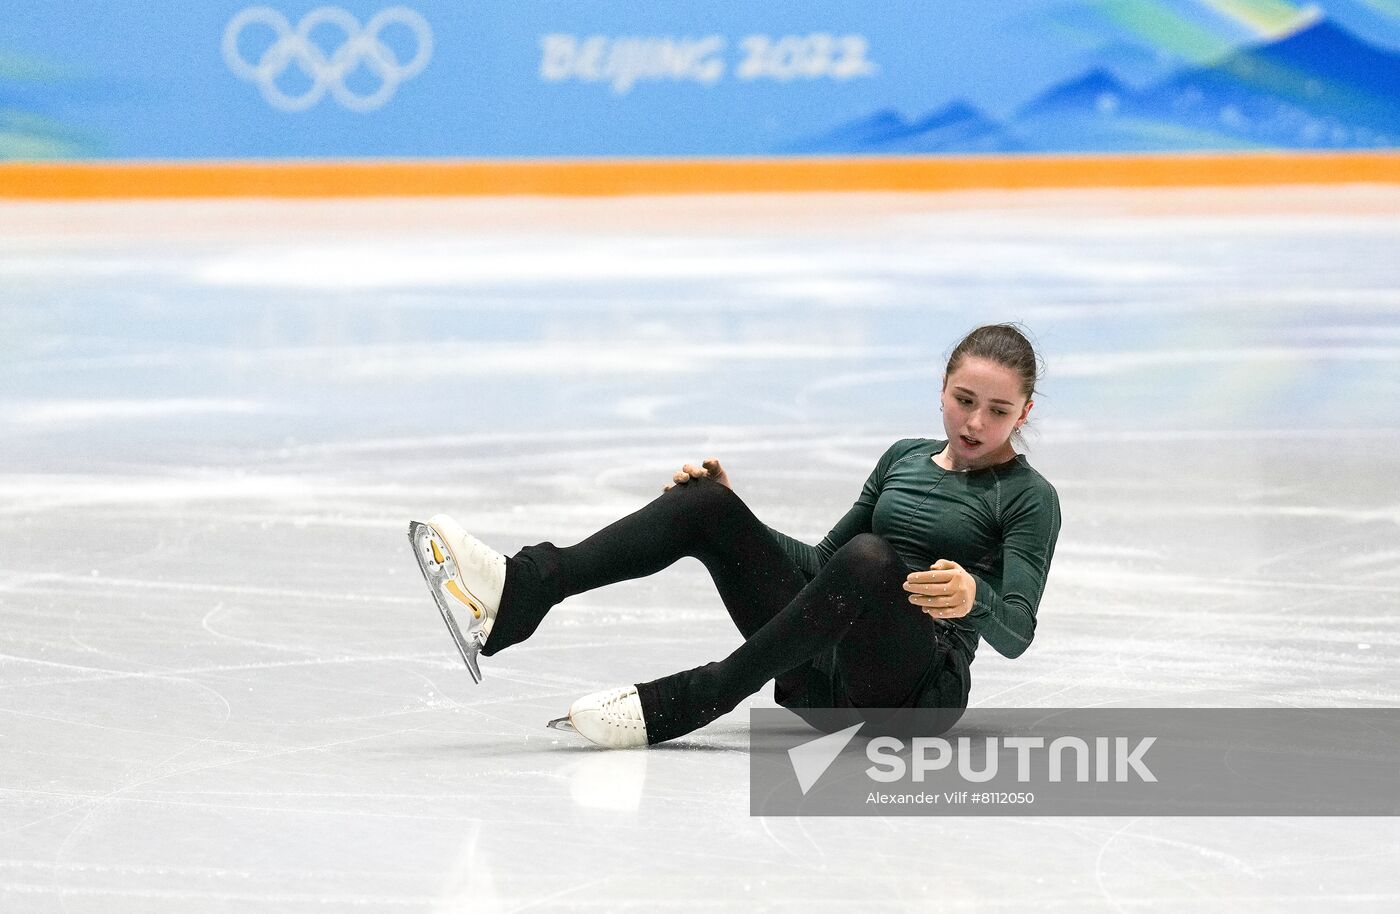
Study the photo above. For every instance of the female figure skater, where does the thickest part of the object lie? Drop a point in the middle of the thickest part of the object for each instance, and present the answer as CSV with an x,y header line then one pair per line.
x,y
949,542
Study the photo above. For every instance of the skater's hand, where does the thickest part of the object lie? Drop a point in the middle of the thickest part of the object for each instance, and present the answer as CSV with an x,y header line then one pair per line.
x,y
945,591
708,467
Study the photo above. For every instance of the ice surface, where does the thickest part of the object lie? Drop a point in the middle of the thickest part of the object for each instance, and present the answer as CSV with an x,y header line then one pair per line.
x,y
223,685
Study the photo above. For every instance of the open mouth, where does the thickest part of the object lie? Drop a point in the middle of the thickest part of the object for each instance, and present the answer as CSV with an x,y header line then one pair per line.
x,y
970,442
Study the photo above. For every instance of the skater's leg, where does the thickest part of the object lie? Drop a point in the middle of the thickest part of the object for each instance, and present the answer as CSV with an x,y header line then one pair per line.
x,y
859,590
877,668
702,518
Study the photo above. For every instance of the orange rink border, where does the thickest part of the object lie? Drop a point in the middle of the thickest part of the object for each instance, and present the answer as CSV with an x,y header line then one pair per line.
x,y
619,177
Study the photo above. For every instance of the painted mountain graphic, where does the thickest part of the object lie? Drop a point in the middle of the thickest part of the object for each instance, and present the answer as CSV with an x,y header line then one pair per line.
x,y
866,132
1320,87
1098,112
40,112
30,128
1132,64
958,126
1317,88
1096,92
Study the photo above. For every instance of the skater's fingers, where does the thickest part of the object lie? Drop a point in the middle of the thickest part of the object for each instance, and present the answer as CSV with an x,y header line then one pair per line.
x,y
943,607
709,469
932,585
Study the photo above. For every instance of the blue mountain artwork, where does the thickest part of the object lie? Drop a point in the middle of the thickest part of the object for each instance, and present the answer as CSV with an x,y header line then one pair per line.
x,y
1317,88
956,126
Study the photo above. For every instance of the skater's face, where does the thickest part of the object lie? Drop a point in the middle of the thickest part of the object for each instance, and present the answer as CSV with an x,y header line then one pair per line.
x,y
983,403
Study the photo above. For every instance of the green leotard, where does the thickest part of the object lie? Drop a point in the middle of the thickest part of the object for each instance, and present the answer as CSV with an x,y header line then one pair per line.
x,y
999,523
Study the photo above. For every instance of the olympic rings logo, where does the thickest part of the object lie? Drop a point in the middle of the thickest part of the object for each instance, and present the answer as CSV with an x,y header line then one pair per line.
x,y
293,47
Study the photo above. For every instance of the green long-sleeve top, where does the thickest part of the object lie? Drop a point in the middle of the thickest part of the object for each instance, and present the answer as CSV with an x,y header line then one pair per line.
x,y
999,523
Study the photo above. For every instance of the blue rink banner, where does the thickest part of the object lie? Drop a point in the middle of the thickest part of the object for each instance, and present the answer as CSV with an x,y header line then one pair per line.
x,y
1080,762
231,79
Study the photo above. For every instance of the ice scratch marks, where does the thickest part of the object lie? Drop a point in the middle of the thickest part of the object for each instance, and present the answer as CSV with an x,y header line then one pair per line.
x,y
533,359
89,412
34,493
1063,431
101,675
308,899
643,407
468,884
1389,514
425,263
205,623
1096,364
1153,870
925,252
919,376
1140,581
98,805
539,442
1092,550
47,581
1382,560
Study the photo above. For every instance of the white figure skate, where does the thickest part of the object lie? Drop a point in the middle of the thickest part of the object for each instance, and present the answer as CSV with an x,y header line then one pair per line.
x,y
611,718
465,576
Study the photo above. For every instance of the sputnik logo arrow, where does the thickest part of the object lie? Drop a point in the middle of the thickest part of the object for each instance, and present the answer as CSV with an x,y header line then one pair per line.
x,y
810,760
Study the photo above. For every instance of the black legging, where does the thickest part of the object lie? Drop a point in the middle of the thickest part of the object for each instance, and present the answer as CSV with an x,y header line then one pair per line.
x,y
856,603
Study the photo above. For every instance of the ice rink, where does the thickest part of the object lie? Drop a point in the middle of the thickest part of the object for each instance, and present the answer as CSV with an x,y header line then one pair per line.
x,y
223,686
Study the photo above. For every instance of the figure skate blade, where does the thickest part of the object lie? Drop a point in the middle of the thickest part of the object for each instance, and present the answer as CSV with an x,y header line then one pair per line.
x,y
433,560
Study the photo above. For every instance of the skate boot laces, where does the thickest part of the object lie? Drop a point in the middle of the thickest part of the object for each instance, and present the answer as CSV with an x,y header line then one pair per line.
x,y
611,718
623,706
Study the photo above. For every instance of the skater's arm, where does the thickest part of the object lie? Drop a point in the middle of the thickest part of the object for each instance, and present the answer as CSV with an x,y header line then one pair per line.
x,y
811,558
1004,614
857,519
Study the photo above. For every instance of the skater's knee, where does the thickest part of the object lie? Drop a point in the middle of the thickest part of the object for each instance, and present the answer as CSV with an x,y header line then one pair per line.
x,y
868,549
869,555
708,495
